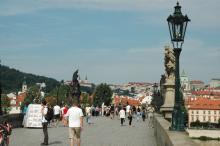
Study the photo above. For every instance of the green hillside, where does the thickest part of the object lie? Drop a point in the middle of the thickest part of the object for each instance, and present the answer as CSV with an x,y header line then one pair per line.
x,y
12,80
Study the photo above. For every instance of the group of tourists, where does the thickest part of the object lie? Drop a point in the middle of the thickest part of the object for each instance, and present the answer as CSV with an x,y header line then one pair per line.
x,y
73,117
137,113
132,113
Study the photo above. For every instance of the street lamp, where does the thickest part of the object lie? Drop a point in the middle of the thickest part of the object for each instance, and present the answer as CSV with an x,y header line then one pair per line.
x,y
177,27
155,86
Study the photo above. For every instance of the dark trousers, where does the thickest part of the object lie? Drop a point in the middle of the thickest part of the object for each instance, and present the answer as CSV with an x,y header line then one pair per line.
x,y
45,132
122,121
130,120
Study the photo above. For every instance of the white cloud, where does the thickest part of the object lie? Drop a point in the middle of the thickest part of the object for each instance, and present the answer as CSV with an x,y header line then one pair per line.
x,y
202,12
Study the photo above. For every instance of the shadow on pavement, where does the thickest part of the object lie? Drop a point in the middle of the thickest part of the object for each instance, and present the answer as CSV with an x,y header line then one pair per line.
x,y
55,142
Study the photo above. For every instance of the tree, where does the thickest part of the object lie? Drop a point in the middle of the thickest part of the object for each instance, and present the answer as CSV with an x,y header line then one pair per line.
x,y
12,80
5,104
32,93
103,93
51,100
85,99
60,92
157,100
133,90
218,125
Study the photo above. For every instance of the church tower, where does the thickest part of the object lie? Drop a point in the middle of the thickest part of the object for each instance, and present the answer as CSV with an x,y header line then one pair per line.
x,y
24,85
185,83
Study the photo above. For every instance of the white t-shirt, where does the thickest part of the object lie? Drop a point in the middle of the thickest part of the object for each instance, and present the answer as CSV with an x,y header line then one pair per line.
x,y
56,110
44,113
122,113
88,110
128,108
74,114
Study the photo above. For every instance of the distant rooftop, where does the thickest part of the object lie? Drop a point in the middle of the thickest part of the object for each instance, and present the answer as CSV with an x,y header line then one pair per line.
x,y
205,104
217,79
196,82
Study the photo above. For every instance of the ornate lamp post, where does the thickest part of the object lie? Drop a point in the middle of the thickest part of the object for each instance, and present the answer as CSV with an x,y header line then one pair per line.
x,y
177,27
155,88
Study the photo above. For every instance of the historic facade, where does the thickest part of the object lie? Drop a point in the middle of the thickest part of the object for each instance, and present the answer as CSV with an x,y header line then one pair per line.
x,y
204,110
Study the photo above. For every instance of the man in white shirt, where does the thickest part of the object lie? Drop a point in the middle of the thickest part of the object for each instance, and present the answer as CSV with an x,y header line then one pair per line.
x,y
56,110
127,109
75,117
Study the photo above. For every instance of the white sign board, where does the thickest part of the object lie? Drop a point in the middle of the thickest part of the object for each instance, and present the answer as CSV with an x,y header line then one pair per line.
x,y
33,116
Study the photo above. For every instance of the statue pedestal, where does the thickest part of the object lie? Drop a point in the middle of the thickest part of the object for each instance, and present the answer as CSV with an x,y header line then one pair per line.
x,y
169,100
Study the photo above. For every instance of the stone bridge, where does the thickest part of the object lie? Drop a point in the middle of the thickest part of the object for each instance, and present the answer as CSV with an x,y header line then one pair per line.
x,y
103,132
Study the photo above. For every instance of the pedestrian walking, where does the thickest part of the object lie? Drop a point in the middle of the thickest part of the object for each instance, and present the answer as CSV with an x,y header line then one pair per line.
x,y
64,110
112,111
130,116
138,114
134,112
57,114
75,118
127,108
44,110
150,115
143,114
122,116
88,115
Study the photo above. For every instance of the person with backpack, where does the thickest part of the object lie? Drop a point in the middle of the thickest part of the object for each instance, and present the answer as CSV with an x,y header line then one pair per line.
x,y
44,111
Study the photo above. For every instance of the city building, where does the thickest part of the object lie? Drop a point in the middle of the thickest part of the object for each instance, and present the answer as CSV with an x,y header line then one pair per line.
x,y
210,93
214,83
15,101
204,110
197,85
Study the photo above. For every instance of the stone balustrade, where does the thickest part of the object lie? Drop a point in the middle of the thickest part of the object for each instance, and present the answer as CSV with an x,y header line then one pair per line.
x,y
165,137
14,119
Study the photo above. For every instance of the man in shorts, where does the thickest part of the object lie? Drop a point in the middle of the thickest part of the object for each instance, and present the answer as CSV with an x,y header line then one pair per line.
x,y
75,118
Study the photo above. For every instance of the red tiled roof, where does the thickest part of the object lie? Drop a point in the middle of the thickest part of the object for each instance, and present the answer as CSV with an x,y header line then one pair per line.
x,y
205,93
196,82
124,100
204,104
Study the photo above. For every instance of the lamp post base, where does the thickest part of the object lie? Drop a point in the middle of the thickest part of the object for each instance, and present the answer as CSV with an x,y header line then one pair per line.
x,y
178,119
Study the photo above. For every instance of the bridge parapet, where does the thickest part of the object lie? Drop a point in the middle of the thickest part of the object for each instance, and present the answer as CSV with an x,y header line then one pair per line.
x,y
165,137
14,119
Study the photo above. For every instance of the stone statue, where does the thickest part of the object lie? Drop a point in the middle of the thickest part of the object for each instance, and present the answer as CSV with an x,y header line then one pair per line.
x,y
75,75
168,83
75,92
169,62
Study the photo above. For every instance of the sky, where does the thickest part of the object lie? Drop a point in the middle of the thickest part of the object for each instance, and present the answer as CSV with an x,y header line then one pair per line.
x,y
109,41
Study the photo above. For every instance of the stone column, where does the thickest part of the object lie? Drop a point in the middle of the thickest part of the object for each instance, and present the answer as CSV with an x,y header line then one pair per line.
x,y
168,105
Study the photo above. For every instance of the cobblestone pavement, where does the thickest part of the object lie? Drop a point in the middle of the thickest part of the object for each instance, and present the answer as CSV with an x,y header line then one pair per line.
x,y
103,132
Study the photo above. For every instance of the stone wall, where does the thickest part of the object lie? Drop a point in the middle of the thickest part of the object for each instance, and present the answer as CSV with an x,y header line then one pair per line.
x,y
14,119
200,132
165,137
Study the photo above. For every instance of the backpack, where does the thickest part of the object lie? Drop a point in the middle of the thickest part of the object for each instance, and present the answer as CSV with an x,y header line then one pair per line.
x,y
49,115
